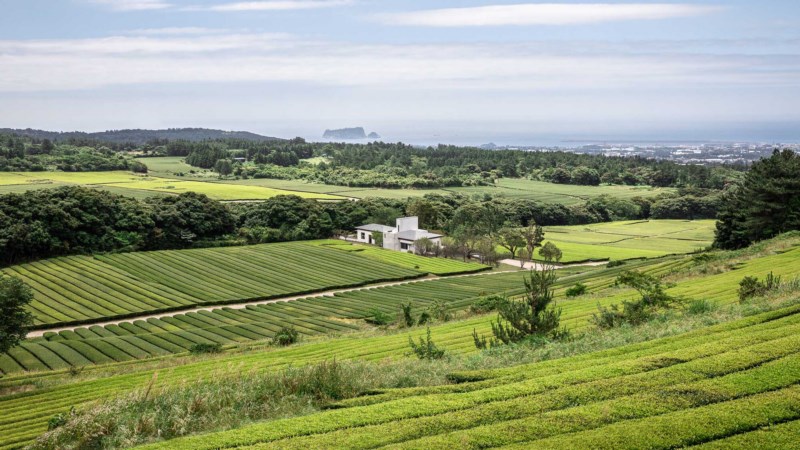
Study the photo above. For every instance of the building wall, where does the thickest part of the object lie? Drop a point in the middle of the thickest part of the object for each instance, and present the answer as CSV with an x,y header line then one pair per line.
x,y
407,223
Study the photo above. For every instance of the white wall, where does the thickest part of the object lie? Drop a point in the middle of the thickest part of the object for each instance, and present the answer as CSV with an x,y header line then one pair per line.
x,y
407,223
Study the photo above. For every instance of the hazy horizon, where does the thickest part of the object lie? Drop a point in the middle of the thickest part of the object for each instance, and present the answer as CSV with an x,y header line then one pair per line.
x,y
461,72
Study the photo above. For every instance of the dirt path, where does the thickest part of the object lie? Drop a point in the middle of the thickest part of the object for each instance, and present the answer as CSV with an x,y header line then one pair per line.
x,y
539,266
329,293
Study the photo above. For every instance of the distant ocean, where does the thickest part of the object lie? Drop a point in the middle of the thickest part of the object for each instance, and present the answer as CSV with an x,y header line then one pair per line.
x,y
734,133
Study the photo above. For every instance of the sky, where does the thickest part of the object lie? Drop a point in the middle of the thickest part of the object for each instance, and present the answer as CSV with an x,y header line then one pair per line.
x,y
464,72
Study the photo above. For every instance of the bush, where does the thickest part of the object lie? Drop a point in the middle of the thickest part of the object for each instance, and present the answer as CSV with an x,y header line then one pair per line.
x,y
653,297
615,263
440,310
426,349
701,306
577,290
407,315
487,304
378,317
751,287
202,348
285,336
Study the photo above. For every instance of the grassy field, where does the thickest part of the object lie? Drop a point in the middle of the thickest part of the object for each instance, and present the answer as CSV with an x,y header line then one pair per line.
x,y
163,180
630,239
124,182
78,289
32,398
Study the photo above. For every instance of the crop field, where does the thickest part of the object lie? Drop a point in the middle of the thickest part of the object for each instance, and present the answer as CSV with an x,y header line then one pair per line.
x,y
436,266
695,388
630,239
26,411
312,316
162,180
79,289
126,181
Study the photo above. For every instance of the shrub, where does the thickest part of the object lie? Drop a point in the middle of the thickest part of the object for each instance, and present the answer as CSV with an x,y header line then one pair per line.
x,y
56,421
615,263
577,290
285,336
487,303
424,318
751,287
378,317
407,314
201,348
653,297
426,349
440,310
700,306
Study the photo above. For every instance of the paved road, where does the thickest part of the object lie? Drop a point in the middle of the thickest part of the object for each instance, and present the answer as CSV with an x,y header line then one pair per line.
x,y
539,266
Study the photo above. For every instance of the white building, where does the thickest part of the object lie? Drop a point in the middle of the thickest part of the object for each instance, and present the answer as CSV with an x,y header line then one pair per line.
x,y
400,237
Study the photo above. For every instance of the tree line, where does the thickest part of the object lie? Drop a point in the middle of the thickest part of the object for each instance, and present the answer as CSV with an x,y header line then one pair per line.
x,y
74,220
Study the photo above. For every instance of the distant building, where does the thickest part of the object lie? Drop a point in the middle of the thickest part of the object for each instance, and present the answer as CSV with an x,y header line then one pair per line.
x,y
401,237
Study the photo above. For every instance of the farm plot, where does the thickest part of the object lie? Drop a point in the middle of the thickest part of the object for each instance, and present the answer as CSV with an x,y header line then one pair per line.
x,y
23,422
630,239
82,289
436,266
690,389
122,181
153,337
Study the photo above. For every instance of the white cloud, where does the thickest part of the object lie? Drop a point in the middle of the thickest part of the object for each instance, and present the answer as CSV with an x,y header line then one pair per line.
x,y
230,58
273,5
133,5
544,14
178,31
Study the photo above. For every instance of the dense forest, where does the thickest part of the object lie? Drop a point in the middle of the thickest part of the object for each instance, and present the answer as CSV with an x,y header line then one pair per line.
x,y
36,155
137,136
403,166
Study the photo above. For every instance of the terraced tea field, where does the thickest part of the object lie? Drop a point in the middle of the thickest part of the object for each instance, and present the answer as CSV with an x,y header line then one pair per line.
x,y
22,421
630,239
79,289
722,382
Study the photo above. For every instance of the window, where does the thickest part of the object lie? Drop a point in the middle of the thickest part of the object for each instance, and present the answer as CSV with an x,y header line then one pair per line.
x,y
403,246
363,236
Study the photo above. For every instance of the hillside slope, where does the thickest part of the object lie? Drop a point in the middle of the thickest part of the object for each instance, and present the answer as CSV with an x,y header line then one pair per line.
x,y
726,380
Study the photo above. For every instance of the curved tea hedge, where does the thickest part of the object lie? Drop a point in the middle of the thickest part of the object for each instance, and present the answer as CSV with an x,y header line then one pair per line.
x,y
82,289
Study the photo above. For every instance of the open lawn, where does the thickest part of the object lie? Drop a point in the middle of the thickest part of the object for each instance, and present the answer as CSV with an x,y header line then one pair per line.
x,y
672,380
630,239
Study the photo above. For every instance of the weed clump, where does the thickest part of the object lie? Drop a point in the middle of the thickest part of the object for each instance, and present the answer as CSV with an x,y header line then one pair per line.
x,y
751,287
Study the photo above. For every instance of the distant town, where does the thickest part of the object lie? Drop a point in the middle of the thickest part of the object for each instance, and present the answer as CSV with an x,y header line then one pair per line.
x,y
681,153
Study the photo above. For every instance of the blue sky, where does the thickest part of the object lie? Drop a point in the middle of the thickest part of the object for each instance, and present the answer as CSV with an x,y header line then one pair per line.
x,y
420,71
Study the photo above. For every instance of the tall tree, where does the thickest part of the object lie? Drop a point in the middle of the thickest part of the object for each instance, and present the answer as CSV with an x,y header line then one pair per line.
x,y
14,297
766,204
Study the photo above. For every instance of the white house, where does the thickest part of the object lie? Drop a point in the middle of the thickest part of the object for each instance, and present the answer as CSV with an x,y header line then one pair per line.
x,y
400,237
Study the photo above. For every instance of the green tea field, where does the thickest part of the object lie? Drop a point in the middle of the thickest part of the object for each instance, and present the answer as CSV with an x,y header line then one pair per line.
x,y
80,289
630,239
149,339
723,382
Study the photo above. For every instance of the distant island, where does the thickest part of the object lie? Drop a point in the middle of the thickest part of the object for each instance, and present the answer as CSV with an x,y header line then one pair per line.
x,y
139,137
350,133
